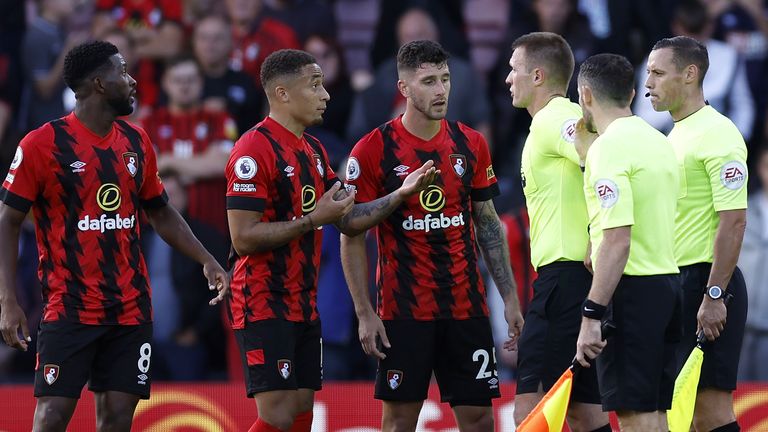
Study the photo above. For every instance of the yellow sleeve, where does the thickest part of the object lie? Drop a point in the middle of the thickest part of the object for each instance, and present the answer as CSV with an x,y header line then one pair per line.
x,y
724,157
610,180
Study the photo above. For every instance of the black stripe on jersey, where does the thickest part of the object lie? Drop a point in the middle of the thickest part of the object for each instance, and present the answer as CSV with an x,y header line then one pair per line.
x,y
110,247
246,203
247,312
485,193
64,154
15,201
474,294
440,254
157,202
282,203
403,256
43,221
307,241
135,259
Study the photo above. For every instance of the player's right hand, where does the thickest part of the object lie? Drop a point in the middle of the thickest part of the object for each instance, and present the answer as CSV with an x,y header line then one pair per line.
x,y
418,180
329,210
12,320
370,330
583,139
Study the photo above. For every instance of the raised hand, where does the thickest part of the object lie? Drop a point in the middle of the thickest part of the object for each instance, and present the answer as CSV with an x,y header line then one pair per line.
x,y
418,180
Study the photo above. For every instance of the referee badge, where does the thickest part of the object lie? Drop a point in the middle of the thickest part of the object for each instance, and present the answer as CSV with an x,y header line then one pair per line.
x,y
733,175
459,163
394,378
607,192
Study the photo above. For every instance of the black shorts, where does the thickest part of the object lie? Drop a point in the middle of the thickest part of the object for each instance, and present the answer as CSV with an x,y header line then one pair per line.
x,y
108,357
637,368
280,355
547,345
721,357
460,352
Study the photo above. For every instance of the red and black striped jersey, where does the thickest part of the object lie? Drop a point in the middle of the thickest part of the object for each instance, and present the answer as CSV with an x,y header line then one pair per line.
x,y
427,265
86,192
191,134
274,172
267,36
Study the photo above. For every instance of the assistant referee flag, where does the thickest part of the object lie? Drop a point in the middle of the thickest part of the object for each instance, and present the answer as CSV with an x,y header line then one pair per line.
x,y
549,414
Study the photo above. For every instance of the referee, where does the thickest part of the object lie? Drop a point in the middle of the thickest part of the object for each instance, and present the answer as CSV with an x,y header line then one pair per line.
x,y
541,68
710,223
630,182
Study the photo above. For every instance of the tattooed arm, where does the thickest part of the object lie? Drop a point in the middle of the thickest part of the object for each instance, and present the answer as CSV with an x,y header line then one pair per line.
x,y
366,215
493,243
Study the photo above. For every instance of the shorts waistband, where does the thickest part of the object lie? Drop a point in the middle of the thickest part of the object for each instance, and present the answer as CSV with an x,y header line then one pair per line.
x,y
559,265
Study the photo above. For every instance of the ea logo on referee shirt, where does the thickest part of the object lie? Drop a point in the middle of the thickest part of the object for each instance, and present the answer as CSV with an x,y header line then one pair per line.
x,y
245,168
733,175
607,192
308,199
432,199
108,197
17,158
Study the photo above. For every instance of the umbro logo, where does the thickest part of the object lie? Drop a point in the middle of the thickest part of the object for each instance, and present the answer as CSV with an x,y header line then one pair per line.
x,y
77,166
289,171
401,170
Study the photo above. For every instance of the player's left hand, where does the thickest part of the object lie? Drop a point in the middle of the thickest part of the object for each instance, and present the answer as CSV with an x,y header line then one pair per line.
x,y
515,322
711,318
217,280
590,343
583,139
418,180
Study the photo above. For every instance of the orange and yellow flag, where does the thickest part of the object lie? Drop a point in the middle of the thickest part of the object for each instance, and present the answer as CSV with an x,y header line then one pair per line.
x,y
549,414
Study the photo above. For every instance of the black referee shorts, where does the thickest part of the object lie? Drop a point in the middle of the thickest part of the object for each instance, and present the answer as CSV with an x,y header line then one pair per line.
x,y
637,368
548,343
721,356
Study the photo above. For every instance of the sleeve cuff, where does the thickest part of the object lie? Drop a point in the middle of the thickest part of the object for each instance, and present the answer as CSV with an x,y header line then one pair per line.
x,y
245,203
156,202
15,201
330,181
485,193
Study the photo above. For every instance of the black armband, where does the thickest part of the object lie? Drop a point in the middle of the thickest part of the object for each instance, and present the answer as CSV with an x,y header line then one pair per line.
x,y
592,310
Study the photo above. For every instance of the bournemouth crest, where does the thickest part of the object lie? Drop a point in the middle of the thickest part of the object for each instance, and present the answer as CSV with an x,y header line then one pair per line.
x,y
459,164
51,373
284,368
319,164
131,161
394,378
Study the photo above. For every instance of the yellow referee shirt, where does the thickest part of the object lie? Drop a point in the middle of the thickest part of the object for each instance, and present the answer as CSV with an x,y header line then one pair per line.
x,y
552,183
712,159
631,179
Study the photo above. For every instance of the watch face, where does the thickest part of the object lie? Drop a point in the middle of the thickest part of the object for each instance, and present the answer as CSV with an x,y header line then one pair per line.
x,y
715,292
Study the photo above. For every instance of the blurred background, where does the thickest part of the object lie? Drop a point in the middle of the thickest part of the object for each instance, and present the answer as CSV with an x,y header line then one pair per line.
x,y
197,66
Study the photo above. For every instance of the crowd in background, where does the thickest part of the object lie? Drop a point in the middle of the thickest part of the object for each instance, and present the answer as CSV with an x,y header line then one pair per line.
x,y
197,67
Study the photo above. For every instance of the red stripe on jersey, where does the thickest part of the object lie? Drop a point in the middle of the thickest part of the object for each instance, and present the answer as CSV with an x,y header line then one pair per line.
x,y
255,357
86,192
427,267
273,172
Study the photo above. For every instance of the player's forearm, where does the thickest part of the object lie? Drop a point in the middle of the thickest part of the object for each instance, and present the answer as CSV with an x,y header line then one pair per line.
x,y
9,249
172,228
730,234
367,215
493,244
354,261
610,262
266,236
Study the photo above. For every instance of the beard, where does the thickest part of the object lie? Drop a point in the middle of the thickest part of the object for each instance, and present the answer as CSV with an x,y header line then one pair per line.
x,y
427,109
121,106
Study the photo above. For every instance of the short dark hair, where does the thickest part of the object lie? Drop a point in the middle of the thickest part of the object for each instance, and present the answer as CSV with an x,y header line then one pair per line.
x,y
85,59
692,16
284,62
550,51
686,51
416,53
611,77
179,59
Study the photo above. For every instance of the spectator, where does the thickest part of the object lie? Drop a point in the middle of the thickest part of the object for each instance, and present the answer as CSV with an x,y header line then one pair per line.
x,y
382,100
193,141
256,36
725,86
306,17
188,333
224,89
155,29
12,28
43,50
754,255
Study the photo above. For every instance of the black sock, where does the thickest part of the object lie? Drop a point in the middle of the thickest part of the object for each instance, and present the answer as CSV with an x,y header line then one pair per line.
x,y
606,428
730,427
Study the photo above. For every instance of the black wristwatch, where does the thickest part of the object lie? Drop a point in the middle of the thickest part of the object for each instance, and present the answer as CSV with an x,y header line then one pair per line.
x,y
715,292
